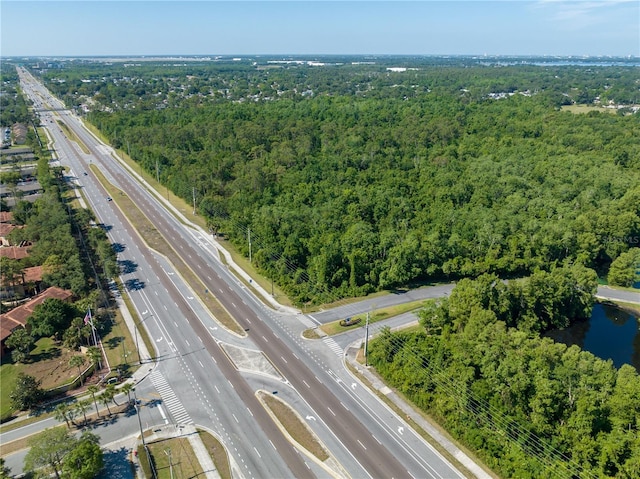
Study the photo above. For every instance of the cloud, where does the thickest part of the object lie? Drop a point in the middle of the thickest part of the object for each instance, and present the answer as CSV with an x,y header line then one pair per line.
x,y
578,14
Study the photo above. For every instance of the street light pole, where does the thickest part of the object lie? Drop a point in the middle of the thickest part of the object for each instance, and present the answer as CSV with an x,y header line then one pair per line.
x,y
135,333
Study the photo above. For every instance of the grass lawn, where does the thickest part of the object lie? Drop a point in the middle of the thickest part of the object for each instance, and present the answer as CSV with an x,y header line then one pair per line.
x,y
588,108
183,460
119,346
8,374
50,364
296,428
218,454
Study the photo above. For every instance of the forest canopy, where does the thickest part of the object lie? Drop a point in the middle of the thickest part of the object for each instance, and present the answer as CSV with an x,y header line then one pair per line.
x,y
354,179
528,406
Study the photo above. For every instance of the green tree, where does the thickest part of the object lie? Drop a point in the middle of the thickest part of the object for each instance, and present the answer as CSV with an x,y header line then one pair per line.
x,y
12,271
75,333
51,317
21,342
81,408
106,397
111,389
77,361
22,211
126,389
26,392
84,461
93,390
94,354
64,412
48,450
624,269
4,470
625,400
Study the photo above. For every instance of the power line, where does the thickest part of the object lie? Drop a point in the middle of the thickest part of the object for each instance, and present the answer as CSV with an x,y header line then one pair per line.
x,y
494,419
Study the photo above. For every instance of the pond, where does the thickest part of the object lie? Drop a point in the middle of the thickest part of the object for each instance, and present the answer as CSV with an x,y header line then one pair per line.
x,y
610,333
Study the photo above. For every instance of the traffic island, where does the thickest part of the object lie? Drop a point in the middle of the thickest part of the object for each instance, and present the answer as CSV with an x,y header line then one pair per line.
x,y
174,451
299,433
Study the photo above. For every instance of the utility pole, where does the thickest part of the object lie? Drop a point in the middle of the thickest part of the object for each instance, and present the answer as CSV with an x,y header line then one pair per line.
x,y
249,236
135,399
194,200
154,475
157,172
366,341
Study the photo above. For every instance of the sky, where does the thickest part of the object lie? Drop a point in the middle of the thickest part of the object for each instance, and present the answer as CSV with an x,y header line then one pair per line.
x,y
414,27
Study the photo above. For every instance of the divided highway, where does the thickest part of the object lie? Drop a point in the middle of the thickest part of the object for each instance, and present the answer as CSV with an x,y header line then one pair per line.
x,y
365,437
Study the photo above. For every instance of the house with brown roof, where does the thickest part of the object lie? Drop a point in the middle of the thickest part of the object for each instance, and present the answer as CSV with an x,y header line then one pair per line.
x,y
17,317
6,216
5,229
26,285
14,252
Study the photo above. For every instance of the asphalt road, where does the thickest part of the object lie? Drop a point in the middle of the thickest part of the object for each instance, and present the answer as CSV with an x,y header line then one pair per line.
x,y
381,455
195,376
164,312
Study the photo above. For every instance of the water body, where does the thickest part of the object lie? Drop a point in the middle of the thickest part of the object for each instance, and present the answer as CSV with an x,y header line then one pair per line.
x,y
610,333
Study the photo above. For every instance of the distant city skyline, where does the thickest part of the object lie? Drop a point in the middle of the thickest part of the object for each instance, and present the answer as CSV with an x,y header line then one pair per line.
x,y
204,27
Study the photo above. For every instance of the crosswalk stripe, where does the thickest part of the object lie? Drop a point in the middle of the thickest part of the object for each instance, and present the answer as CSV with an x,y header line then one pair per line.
x,y
335,347
170,400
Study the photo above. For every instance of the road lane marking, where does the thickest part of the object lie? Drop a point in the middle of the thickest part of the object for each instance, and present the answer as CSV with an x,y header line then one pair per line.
x,y
173,404
162,413
331,411
363,447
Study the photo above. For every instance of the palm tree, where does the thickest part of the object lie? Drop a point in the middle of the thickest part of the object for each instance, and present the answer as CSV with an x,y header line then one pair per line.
x,y
106,397
95,355
62,413
78,361
93,389
127,388
82,407
111,389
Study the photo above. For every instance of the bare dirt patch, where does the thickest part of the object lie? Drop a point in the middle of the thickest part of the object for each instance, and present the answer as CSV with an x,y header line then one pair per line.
x,y
55,373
